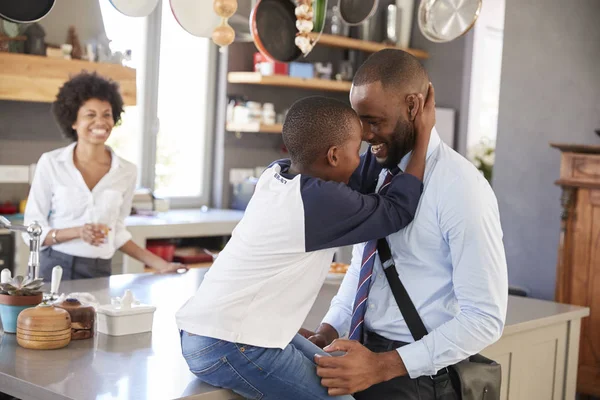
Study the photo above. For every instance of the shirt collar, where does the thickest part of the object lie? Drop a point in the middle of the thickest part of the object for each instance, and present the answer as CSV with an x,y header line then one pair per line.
x,y
67,155
434,143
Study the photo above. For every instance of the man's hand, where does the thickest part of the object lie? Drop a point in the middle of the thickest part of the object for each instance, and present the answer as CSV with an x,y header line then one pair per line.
x,y
358,369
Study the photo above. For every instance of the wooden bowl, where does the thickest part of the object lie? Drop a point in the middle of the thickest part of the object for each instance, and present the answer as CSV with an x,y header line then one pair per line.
x,y
44,327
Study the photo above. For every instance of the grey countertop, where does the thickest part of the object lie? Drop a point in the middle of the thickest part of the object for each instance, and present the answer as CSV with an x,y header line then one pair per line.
x,y
149,365
171,217
185,216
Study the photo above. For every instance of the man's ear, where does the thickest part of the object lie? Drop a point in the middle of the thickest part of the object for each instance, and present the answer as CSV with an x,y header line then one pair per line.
x,y
333,158
414,103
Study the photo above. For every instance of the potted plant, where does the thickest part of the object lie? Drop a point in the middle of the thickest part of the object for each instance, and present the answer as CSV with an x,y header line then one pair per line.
x,y
16,295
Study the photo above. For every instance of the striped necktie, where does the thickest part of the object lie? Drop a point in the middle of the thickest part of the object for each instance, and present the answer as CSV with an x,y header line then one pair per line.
x,y
366,271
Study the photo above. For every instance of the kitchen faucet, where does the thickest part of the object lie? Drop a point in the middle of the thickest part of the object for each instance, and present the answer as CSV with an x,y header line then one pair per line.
x,y
34,230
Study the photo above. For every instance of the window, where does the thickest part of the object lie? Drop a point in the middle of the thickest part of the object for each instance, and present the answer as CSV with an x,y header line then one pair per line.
x,y
127,33
168,134
182,111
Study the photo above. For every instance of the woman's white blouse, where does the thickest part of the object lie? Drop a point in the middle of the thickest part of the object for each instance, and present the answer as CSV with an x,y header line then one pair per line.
x,y
59,198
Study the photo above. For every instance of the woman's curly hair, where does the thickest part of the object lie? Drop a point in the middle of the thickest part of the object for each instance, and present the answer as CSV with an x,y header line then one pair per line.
x,y
79,89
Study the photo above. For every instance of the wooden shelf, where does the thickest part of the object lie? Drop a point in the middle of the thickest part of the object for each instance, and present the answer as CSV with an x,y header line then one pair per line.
x,y
255,78
25,77
363,45
254,127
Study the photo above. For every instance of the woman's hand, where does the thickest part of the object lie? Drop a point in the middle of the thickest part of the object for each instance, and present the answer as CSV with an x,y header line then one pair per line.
x,y
173,268
94,234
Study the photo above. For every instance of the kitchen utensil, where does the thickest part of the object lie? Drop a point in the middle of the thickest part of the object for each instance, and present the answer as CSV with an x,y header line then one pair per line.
x,y
125,316
82,318
25,11
371,29
134,8
355,12
44,327
445,20
338,27
406,10
392,24
57,272
273,29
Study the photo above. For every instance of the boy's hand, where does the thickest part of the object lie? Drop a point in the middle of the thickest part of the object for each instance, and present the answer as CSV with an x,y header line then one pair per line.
x,y
324,335
425,119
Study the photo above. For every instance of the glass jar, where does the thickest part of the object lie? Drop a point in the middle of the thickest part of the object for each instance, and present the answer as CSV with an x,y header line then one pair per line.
x,y
268,114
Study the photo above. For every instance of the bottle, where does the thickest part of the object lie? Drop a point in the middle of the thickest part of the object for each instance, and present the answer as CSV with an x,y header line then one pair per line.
x,y
255,111
268,114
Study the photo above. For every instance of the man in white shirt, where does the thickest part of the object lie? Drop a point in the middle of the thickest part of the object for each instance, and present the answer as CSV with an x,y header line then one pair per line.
x,y
450,258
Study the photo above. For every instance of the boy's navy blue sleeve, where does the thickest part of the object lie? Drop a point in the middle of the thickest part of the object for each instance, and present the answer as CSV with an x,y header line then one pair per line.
x,y
364,179
335,215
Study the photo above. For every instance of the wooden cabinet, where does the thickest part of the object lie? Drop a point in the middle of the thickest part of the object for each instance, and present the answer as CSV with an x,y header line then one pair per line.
x,y
578,269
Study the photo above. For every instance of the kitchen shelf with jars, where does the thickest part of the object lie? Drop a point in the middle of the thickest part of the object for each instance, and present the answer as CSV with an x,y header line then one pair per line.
x,y
256,91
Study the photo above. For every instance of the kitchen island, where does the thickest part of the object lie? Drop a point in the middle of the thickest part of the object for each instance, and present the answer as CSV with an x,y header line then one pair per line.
x,y
538,350
183,223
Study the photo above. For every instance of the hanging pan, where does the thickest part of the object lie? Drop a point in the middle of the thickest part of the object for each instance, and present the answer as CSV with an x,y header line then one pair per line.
x,y
281,29
25,11
196,16
445,20
355,12
135,8
273,29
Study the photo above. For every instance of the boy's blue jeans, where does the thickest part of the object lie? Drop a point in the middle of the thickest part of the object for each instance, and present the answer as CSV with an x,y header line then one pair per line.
x,y
257,372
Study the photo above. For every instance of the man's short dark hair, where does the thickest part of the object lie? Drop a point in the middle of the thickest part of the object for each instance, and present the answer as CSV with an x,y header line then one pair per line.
x,y
78,90
314,124
393,68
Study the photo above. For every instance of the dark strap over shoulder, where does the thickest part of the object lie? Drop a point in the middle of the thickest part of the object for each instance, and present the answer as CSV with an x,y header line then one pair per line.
x,y
405,304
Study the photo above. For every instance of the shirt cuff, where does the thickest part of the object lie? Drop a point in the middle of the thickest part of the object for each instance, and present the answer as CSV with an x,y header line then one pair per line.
x,y
122,236
411,180
339,321
416,359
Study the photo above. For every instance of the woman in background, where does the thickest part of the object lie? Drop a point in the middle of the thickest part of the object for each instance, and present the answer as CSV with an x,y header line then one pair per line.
x,y
82,193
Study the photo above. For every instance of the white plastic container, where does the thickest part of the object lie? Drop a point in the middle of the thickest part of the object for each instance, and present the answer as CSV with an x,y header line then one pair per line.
x,y
125,317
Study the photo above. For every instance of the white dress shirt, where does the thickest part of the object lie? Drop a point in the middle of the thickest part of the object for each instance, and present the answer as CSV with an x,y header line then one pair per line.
x,y
450,259
59,198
